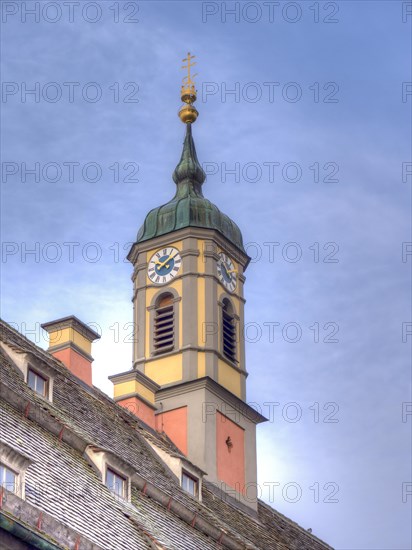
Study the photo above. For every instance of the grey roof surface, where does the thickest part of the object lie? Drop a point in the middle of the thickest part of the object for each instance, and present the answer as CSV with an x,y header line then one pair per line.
x,y
62,483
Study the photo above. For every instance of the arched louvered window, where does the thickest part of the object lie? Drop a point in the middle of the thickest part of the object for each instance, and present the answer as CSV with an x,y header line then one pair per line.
x,y
164,321
228,331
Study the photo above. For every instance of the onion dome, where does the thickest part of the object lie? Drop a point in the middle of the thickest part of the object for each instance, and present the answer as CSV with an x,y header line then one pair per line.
x,y
189,208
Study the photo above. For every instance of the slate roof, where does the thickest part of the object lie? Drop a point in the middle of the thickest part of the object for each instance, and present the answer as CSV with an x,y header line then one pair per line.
x,y
61,483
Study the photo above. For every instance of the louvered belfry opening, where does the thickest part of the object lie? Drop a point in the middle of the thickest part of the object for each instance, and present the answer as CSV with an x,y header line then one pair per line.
x,y
164,325
229,331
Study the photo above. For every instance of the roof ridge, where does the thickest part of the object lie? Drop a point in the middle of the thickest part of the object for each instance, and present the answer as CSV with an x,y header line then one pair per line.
x,y
291,522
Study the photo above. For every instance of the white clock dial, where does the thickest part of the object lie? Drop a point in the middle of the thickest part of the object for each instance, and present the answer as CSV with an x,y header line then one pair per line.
x,y
164,265
226,272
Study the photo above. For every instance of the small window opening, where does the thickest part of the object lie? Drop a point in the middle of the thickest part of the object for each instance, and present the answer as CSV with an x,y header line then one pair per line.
x,y
37,382
7,478
164,325
229,331
190,484
116,483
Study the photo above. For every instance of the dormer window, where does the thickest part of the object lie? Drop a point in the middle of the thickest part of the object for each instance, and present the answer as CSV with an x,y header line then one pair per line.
x,y
116,483
13,468
7,478
114,472
37,382
37,374
187,474
190,484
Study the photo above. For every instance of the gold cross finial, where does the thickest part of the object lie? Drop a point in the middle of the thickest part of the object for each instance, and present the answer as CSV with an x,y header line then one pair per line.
x,y
189,77
188,93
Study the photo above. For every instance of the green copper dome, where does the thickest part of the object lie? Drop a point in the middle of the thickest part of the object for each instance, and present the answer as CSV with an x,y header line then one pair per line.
x,y
189,208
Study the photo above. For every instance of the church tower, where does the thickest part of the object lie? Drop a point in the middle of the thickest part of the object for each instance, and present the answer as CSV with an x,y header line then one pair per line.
x,y
189,374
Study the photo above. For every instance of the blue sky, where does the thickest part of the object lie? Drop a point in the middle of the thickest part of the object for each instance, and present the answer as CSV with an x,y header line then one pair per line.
x,y
363,137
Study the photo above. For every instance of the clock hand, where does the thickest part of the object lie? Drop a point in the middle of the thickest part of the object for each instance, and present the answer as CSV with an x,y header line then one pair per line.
x,y
228,270
169,258
161,264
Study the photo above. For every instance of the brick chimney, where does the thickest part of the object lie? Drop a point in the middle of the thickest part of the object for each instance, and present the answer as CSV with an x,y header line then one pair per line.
x,y
70,340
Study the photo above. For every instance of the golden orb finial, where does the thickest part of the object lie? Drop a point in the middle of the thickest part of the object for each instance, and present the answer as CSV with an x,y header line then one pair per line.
x,y
188,94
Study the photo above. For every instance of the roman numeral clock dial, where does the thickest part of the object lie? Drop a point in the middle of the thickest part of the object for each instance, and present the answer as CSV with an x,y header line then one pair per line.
x,y
226,272
164,265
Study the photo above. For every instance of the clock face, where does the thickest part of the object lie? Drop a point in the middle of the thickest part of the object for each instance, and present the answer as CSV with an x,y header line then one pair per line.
x,y
164,265
226,272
